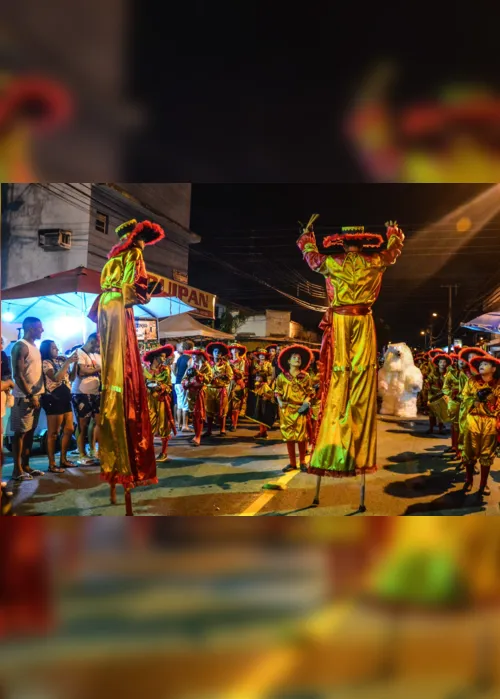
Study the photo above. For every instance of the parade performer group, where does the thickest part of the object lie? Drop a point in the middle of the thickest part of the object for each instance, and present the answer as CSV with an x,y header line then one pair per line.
x,y
324,401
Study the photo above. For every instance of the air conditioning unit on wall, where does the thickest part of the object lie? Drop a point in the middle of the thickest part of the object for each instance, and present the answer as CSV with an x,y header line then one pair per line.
x,y
54,239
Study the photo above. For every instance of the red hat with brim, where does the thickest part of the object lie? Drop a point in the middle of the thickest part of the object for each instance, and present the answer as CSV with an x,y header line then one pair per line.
x,y
285,354
431,353
130,231
354,234
270,347
151,354
260,351
221,346
476,361
465,351
198,353
44,103
242,350
438,357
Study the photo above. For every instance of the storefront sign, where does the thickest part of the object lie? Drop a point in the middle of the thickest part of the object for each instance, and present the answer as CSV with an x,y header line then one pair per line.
x,y
201,301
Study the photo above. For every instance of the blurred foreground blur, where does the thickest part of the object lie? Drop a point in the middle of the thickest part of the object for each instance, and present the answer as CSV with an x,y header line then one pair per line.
x,y
185,608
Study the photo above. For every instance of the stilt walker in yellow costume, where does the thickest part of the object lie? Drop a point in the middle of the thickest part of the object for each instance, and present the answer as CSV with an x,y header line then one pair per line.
x,y
346,438
481,408
126,441
159,384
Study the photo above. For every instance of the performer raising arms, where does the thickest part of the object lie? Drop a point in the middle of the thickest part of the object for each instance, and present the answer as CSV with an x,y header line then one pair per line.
x,y
237,386
347,431
159,384
195,384
126,442
217,396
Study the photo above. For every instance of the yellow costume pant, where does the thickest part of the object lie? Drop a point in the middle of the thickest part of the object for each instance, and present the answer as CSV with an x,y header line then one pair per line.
x,y
158,415
480,439
217,401
347,438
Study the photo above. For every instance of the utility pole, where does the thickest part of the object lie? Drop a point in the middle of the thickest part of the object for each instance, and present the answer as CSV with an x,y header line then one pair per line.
x,y
450,317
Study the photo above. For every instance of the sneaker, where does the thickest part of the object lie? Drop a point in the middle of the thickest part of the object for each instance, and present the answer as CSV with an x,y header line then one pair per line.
x,y
85,461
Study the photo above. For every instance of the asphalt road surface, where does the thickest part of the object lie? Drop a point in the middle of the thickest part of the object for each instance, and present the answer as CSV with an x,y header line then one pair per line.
x,y
225,476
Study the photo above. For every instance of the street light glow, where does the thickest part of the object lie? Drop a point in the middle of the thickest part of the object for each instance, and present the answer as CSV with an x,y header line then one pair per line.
x,y
434,315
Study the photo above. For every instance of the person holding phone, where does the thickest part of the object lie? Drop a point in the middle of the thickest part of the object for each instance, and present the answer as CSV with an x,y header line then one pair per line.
x,y
56,401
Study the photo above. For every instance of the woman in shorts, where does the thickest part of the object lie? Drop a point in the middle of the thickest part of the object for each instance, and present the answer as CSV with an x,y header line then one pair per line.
x,y
56,401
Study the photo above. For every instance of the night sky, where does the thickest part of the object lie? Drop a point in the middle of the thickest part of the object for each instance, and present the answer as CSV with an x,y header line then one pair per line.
x,y
255,92
253,228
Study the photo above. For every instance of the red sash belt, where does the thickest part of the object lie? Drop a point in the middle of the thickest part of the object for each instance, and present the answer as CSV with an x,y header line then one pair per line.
x,y
359,309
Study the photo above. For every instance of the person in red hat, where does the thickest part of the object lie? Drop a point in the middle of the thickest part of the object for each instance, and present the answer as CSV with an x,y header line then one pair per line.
x,y
481,408
438,412
465,372
218,389
294,393
261,364
346,442
126,446
237,386
159,384
451,390
195,383
272,355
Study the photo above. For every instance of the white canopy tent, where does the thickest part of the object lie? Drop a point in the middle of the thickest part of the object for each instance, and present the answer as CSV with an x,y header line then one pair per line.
x,y
487,323
185,326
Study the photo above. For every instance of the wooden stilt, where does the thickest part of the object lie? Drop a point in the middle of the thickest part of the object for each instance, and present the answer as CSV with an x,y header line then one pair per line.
x,y
128,503
112,494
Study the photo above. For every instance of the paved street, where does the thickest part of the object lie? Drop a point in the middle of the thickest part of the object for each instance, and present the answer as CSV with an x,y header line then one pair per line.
x,y
226,477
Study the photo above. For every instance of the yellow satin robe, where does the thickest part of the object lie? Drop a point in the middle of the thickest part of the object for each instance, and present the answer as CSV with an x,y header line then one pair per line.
x,y
451,390
293,391
347,436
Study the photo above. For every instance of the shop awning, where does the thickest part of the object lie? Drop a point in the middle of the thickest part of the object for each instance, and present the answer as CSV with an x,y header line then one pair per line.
x,y
72,293
488,323
185,326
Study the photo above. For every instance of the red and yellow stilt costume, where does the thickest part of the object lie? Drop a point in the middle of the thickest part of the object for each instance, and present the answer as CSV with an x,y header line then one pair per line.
x,y
294,392
126,447
481,408
218,389
159,384
195,383
347,432
237,387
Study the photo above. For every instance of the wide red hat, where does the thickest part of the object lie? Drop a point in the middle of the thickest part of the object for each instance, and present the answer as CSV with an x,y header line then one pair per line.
x,y
354,234
222,347
476,361
151,354
242,350
130,231
433,352
198,352
286,353
437,357
465,351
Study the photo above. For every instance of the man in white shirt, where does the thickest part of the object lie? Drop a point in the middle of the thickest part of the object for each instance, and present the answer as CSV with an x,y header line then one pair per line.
x,y
29,386
86,394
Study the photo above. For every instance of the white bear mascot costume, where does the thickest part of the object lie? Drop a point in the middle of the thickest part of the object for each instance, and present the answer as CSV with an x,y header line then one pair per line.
x,y
399,382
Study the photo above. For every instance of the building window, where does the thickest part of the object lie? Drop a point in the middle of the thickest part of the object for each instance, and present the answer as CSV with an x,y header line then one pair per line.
x,y
101,223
